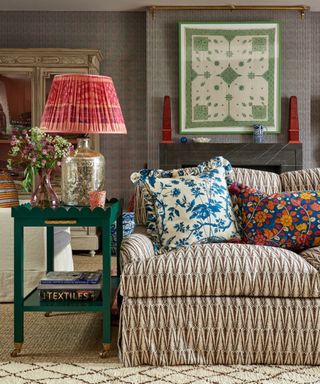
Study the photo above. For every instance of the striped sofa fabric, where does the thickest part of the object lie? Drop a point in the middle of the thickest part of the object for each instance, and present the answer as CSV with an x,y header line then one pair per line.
x,y
219,330
8,191
307,179
222,303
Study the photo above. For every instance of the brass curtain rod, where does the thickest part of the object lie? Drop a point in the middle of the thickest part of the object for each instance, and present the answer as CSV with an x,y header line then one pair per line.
x,y
298,8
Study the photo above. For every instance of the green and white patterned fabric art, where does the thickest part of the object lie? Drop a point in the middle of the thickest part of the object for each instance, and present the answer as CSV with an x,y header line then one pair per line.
x,y
229,77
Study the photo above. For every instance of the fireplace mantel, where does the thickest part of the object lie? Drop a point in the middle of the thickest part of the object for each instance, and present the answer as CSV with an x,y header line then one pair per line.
x,y
270,157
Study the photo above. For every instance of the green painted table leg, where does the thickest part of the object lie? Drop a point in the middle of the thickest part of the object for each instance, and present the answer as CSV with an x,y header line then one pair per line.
x,y
50,248
106,288
18,287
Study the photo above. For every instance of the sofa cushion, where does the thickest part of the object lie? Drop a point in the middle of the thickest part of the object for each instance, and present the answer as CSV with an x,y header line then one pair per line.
x,y
144,205
267,182
193,209
289,220
222,270
302,180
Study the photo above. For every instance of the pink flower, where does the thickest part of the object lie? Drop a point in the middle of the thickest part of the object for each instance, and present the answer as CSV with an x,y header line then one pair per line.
x,y
43,163
13,140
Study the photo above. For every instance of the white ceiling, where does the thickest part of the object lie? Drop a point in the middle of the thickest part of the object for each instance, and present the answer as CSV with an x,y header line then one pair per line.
x,y
132,5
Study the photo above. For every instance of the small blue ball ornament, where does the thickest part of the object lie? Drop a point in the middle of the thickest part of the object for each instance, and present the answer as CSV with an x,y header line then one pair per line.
x,y
183,140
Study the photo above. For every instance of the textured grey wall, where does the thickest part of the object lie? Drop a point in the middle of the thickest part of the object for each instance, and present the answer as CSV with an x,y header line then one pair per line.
x,y
133,64
163,72
121,38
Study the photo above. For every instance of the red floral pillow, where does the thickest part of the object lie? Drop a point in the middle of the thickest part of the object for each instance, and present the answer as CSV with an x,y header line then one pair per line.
x,y
288,220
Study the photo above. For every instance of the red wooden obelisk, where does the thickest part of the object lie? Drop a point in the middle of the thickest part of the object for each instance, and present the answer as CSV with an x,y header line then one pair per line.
x,y
293,121
166,121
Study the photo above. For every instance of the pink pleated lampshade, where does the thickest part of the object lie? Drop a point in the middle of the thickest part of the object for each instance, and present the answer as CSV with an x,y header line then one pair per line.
x,y
79,103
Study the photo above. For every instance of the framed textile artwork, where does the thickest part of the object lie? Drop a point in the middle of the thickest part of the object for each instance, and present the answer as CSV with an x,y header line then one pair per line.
x,y
229,77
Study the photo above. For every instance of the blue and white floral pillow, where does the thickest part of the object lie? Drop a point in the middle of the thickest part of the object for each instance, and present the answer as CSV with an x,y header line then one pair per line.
x,y
148,176
193,209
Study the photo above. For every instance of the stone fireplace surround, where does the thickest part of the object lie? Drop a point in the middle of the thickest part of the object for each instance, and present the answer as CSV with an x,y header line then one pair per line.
x,y
276,158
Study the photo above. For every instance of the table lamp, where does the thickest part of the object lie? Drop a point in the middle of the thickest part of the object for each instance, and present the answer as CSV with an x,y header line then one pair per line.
x,y
82,104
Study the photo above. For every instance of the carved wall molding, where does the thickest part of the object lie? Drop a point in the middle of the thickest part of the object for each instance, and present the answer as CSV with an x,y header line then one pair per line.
x,y
46,56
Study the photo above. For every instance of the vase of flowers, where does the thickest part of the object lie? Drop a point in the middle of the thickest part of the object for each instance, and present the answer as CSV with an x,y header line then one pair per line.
x,y
44,195
39,154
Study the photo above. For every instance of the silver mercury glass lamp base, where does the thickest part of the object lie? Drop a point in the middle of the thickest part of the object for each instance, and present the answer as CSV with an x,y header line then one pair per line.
x,y
82,172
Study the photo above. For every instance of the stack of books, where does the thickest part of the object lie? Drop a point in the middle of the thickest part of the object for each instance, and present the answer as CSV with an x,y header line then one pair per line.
x,y
62,286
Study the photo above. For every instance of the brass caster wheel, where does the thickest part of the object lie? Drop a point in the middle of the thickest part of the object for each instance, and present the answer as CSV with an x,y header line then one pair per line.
x,y
106,348
47,314
17,349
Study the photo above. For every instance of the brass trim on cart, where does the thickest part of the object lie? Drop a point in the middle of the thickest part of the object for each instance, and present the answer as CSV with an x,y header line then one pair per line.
x,y
58,222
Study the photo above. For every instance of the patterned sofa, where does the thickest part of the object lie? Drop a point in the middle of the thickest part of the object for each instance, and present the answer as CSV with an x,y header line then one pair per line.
x,y
222,303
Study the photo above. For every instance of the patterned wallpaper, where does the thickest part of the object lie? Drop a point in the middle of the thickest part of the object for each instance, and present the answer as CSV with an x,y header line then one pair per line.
x,y
121,38
163,71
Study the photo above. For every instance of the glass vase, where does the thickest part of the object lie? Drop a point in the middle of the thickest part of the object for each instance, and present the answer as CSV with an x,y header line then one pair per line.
x,y
44,195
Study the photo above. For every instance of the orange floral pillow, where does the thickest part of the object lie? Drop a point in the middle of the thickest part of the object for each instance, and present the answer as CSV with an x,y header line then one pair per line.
x,y
288,220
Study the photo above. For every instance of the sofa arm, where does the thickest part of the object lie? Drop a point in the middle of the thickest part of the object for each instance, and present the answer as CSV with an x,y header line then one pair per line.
x,y
135,247
312,256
